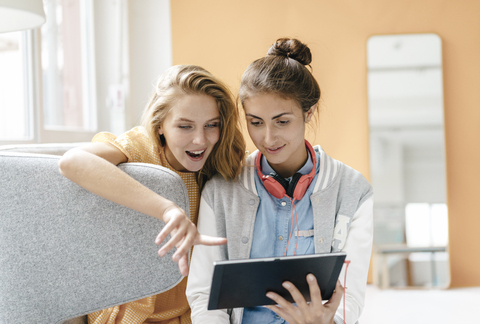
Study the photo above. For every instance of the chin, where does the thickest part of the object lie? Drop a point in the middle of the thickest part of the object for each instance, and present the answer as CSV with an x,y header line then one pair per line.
x,y
275,159
195,168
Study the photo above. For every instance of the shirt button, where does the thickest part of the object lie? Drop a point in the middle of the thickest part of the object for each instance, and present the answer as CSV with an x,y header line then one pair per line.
x,y
251,202
321,240
244,240
277,316
284,203
280,238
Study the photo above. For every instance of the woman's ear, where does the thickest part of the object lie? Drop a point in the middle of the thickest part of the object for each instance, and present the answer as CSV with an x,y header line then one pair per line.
x,y
160,131
310,112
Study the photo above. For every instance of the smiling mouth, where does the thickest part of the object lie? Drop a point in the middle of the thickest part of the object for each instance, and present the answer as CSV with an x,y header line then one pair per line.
x,y
275,149
195,154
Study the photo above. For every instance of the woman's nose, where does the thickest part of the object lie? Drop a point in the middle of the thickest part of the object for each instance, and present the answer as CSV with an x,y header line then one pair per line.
x,y
199,138
270,135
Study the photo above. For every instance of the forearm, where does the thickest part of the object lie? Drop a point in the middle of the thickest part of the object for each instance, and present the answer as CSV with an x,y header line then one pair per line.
x,y
101,176
358,247
198,286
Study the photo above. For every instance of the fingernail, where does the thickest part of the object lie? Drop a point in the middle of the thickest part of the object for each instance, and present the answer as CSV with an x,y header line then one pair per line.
x,y
311,277
270,295
162,253
175,258
286,285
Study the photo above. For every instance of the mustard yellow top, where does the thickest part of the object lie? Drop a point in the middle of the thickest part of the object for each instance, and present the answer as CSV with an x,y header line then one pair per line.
x,y
170,307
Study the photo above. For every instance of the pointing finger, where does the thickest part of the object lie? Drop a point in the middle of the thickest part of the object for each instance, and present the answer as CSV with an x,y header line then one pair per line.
x,y
209,240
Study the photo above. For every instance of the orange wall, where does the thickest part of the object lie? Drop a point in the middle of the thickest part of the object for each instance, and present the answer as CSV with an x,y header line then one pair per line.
x,y
225,36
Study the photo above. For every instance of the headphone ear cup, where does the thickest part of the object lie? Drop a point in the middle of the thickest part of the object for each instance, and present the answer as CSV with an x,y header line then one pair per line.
x,y
275,185
293,184
280,180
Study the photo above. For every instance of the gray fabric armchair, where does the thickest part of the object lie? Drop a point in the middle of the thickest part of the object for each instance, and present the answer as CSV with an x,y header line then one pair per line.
x,y
65,252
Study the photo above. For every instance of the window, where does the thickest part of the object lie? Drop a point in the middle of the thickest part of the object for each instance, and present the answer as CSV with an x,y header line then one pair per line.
x,y
14,106
426,224
48,76
55,96
67,66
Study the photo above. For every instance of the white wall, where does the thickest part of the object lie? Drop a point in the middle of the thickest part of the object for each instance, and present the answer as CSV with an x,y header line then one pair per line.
x,y
106,47
133,47
150,50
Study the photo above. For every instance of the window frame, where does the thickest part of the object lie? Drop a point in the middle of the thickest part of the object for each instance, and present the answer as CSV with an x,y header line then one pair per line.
x,y
33,91
30,93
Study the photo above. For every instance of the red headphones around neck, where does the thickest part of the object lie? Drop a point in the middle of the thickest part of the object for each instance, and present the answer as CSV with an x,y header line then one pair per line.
x,y
279,187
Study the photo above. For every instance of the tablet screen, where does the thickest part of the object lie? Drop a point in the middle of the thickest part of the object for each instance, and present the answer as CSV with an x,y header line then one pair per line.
x,y
244,283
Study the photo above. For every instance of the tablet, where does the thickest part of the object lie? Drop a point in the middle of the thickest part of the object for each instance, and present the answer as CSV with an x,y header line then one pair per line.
x,y
244,283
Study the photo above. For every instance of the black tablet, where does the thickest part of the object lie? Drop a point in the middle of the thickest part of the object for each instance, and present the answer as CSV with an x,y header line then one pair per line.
x,y
244,283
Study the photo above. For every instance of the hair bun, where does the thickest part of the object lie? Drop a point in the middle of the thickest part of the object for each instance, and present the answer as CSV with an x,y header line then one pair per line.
x,y
292,48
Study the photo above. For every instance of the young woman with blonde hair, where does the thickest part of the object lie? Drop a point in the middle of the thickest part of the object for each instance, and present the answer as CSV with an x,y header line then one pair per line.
x,y
286,179
190,126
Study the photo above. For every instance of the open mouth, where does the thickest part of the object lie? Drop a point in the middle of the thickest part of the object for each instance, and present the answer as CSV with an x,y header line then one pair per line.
x,y
196,154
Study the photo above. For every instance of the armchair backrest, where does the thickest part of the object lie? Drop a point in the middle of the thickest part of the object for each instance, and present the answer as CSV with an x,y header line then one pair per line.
x,y
65,252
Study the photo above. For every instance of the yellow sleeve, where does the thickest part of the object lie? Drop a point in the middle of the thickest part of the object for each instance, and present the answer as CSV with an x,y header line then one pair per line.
x,y
135,144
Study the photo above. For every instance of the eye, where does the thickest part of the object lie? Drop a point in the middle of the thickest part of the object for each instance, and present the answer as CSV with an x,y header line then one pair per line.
x,y
255,123
283,122
184,127
212,125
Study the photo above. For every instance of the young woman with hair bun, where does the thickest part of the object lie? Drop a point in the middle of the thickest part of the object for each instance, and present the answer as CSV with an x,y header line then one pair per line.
x,y
333,202
190,126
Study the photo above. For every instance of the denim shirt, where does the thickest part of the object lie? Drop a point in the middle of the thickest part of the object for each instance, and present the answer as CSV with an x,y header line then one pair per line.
x,y
272,230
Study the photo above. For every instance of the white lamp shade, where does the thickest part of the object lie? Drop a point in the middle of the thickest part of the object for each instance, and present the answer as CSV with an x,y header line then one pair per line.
x,y
20,14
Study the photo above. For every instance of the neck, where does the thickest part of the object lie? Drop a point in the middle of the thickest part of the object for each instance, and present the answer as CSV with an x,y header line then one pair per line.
x,y
290,167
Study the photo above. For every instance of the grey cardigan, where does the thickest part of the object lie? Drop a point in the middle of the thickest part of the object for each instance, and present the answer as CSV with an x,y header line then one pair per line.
x,y
342,206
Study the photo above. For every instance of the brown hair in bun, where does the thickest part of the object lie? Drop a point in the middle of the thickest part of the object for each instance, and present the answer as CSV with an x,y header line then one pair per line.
x,y
291,48
282,71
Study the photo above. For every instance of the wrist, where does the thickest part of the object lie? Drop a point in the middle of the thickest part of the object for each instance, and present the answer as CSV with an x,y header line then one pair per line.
x,y
164,207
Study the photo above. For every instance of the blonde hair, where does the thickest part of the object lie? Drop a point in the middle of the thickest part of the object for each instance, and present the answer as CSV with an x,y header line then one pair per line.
x,y
228,153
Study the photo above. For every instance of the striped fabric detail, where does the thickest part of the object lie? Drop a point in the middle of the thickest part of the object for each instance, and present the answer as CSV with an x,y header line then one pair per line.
x,y
248,174
305,233
328,170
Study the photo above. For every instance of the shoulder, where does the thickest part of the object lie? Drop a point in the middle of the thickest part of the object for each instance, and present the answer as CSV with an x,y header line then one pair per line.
x,y
138,133
138,146
243,186
333,172
245,179
248,173
218,185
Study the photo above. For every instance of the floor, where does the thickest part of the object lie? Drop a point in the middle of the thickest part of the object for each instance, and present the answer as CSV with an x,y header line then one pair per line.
x,y
402,306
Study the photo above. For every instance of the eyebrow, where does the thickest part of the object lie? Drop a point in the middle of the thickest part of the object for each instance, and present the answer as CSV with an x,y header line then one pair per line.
x,y
274,117
191,121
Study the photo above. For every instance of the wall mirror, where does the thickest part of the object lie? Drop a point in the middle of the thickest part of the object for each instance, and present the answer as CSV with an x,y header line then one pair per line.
x,y
407,160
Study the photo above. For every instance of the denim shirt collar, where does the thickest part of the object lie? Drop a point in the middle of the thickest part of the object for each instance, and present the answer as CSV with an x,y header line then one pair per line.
x,y
306,169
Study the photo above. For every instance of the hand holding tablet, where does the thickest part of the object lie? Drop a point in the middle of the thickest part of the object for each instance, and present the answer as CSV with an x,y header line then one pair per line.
x,y
245,283
302,312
